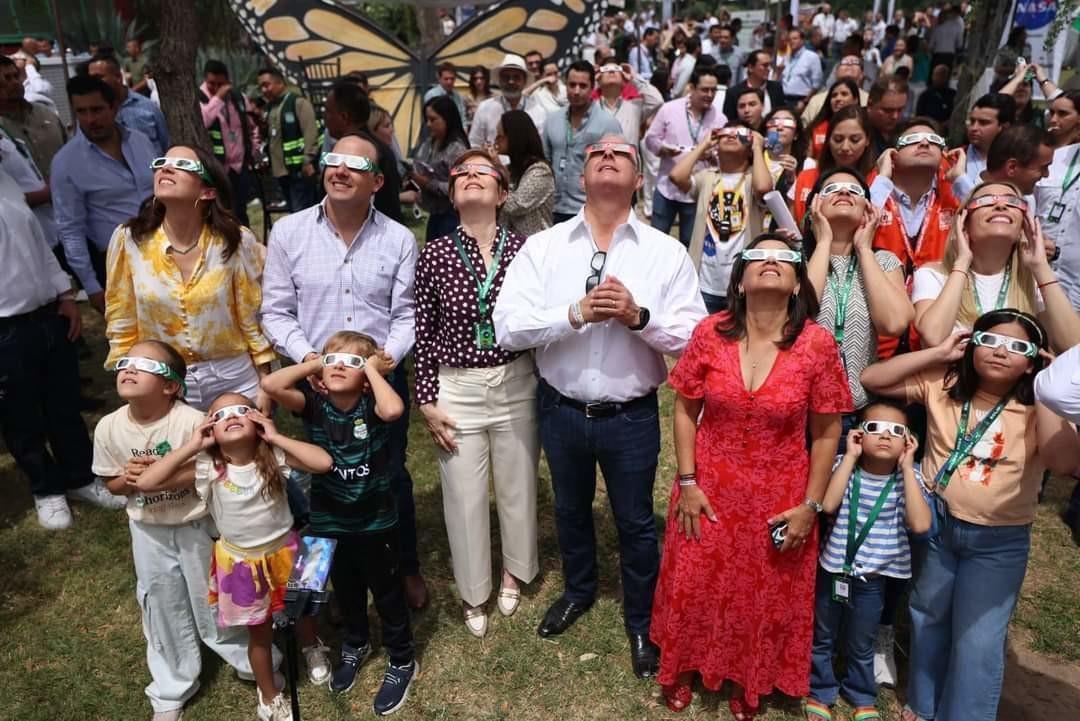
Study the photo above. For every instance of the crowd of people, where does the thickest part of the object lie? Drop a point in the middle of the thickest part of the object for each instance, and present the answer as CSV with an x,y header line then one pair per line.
x,y
893,319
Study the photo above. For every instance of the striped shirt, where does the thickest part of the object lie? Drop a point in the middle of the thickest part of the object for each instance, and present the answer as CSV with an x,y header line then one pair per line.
x,y
886,551
355,497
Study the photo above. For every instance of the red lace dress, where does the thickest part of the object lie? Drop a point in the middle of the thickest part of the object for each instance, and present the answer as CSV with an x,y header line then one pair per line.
x,y
730,606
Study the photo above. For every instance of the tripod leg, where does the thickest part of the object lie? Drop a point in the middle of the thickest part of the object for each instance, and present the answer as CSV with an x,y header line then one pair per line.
x,y
292,667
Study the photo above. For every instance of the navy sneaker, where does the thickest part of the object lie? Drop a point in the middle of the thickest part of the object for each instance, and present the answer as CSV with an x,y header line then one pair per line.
x,y
352,658
395,688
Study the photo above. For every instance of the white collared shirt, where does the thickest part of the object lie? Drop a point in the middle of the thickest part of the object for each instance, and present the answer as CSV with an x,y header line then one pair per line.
x,y
602,361
30,275
1058,385
488,113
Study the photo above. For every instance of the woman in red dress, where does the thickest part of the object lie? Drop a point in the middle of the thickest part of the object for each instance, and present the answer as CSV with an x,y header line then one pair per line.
x,y
729,604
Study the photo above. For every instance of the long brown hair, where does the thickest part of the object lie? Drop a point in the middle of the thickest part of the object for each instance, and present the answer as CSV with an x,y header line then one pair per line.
x,y
266,463
217,213
802,306
858,114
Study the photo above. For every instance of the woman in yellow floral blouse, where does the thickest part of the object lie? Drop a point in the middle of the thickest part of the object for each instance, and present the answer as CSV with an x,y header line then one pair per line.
x,y
185,272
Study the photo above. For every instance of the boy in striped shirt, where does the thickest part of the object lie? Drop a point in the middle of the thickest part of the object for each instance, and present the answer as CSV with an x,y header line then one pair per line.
x,y
876,476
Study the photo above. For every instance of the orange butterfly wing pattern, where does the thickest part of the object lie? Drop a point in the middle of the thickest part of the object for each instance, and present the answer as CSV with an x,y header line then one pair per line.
x,y
293,32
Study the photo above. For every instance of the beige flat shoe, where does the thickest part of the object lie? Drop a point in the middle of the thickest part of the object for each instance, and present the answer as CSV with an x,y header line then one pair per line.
x,y
476,621
508,600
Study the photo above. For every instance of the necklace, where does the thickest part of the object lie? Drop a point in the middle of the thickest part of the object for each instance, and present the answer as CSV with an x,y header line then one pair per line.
x,y
173,249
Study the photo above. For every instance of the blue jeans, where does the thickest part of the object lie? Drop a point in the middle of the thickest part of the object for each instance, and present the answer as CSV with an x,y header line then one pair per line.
x,y
664,212
299,191
626,446
856,622
713,303
961,602
403,482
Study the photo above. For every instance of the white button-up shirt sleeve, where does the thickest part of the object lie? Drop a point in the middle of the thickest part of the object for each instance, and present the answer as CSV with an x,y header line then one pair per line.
x,y
280,304
522,317
1058,385
403,306
671,324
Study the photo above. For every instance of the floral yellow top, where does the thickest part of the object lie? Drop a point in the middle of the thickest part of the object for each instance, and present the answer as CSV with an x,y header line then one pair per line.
x,y
214,315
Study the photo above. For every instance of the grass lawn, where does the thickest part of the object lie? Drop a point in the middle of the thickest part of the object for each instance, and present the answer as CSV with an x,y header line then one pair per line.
x,y
72,646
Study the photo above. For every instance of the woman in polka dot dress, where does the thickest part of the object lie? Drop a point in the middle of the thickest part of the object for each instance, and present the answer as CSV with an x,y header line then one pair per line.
x,y
479,401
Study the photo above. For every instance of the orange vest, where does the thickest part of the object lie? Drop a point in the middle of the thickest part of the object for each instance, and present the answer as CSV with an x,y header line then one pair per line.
x,y
819,135
927,247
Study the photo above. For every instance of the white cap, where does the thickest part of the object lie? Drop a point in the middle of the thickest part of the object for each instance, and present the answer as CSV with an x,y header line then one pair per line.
x,y
513,62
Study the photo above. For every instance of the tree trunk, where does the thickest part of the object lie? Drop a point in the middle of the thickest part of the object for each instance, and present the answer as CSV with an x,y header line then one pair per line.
x,y
984,35
174,72
430,27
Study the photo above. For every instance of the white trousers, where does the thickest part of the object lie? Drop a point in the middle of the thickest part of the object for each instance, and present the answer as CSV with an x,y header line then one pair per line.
x,y
172,565
206,380
495,413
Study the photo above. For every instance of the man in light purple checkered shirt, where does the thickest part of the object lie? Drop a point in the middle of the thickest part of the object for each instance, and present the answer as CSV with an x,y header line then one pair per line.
x,y
343,265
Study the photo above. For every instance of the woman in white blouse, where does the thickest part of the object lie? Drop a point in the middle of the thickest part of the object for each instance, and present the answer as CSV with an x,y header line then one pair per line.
x,y
995,258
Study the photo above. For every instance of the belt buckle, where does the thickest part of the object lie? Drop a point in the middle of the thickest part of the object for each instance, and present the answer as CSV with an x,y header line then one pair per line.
x,y
597,410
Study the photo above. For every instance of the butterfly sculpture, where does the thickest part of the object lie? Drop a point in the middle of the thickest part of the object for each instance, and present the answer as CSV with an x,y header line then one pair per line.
x,y
294,32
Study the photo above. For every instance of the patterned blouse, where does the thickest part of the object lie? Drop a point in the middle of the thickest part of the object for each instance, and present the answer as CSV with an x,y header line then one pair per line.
x,y
527,209
435,197
212,316
447,310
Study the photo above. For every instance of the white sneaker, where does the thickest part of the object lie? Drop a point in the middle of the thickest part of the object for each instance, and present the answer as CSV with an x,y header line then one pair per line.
x,y
52,512
96,493
279,709
171,715
318,663
884,660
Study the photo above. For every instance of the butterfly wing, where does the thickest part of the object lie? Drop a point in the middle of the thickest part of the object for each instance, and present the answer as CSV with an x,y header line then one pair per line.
x,y
293,32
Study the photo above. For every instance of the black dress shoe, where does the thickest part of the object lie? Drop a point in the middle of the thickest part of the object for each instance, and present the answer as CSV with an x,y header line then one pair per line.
x,y
644,655
561,616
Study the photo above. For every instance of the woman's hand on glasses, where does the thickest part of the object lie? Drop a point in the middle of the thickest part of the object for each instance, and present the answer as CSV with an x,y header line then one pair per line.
x,y
963,243
1033,251
864,235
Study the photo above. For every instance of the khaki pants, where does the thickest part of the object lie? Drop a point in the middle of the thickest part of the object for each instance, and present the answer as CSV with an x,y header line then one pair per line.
x,y
495,413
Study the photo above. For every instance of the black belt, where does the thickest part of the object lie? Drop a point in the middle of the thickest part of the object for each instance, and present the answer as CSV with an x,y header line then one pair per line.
x,y
49,309
605,409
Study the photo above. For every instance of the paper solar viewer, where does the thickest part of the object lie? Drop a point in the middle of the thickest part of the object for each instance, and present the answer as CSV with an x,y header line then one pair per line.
x,y
296,32
311,570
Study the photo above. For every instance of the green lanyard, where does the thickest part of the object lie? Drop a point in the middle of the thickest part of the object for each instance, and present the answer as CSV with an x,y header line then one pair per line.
x,y
1003,291
1070,176
483,288
966,441
856,539
842,293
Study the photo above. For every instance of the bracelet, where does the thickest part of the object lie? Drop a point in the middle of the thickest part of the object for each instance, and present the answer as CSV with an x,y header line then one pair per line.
x,y
577,317
811,503
687,481
1049,282
957,270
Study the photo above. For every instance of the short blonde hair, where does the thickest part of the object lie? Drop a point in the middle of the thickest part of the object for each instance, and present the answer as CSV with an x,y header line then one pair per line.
x,y
349,340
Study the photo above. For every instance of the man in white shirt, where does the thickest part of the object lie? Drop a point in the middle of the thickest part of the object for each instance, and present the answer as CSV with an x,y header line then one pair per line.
x,y
844,28
640,57
39,368
1058,388
548,90
824,21
513,75
611,79
602,298
711,42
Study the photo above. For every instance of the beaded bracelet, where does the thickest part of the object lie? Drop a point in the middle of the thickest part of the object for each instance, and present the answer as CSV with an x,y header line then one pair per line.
x,y
577,317
687,479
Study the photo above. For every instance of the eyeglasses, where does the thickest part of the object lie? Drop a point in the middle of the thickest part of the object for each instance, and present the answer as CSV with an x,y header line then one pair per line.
x,y
597,266
473,168
915,138
882,428
985,201
784,256
185,164
227,412
353,162
152,366
624,149
781,123
849,188
349,360
1013,345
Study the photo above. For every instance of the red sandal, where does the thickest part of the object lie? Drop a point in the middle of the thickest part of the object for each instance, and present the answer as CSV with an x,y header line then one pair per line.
x,y
741,710
678,696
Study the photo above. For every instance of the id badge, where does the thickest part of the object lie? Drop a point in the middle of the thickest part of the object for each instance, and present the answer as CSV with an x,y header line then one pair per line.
x,y
485,335
562,164
841,588
1057,212
232,136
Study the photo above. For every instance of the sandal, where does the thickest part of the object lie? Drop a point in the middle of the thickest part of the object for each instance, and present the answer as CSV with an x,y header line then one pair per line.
x,y
678,696
817,711
865,713
741,710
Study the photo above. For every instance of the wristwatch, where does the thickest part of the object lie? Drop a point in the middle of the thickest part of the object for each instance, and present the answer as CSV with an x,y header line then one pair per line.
x,y
643,319
810,502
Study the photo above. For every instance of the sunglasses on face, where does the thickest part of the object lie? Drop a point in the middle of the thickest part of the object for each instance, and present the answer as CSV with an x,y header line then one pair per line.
x,y
149,365
741,133
851,61
849,188
349,360
597,267
624,149
782,255
882,428
473,168
781,123
185,164
1013,345
611,68
353,162
986,201
230,412
916,138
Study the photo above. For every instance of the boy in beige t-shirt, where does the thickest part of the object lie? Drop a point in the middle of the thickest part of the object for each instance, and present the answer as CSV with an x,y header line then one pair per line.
x,y
171,538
